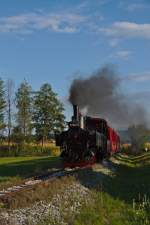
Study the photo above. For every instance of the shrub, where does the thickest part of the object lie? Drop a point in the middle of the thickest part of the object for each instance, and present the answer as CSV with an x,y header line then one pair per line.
x,y
28,150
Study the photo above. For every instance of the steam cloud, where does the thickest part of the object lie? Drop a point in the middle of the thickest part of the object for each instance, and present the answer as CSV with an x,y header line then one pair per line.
x,y
101,95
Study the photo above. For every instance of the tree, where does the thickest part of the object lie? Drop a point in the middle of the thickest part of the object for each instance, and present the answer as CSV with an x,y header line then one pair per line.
x,y
10,86
24,109
48,113
139,135
2,105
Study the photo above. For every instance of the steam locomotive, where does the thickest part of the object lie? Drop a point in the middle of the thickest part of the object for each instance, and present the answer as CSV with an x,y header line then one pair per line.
x,y
86,141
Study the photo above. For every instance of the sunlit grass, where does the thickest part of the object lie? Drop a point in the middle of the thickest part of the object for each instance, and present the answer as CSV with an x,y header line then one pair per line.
x,y
14,169
123,199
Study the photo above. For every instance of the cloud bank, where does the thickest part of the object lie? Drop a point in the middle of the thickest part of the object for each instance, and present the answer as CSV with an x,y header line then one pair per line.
x,y
127,29
137,7
27,23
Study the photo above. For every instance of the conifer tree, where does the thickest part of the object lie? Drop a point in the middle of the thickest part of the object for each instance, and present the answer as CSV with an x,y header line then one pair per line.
x,y
24,109
48,113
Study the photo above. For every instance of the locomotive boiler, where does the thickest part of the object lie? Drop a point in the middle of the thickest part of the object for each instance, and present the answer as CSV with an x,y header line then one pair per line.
x,y
86,140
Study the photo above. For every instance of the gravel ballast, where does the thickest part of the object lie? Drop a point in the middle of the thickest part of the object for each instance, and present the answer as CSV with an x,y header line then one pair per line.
x,y
63,206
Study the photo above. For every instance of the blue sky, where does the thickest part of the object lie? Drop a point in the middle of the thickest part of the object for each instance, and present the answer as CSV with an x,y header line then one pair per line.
x,y
52,41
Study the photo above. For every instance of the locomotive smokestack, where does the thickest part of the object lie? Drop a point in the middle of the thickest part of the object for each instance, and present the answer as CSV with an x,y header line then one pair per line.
x,y
75,113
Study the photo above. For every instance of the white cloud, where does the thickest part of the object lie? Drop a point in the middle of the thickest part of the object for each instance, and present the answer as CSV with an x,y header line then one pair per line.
x,y
123,54
127,30
26,23
138,77
137,7
114,42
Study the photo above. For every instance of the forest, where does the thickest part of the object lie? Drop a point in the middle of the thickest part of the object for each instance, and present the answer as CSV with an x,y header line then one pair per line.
x,y
28,118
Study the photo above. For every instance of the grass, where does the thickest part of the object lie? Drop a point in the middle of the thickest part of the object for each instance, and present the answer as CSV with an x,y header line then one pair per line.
x,y
131,178
119,199
134,160
105,210
41,192
14,169
123,199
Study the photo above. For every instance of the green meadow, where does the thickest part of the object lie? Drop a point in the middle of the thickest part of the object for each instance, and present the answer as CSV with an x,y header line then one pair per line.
x,y
14,169
122,199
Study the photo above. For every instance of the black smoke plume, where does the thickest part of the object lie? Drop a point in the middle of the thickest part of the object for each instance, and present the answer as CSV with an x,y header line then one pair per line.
x,y
101,95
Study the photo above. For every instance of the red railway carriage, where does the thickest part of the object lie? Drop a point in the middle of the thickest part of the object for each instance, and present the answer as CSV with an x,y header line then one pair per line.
x,y
87,140
113,141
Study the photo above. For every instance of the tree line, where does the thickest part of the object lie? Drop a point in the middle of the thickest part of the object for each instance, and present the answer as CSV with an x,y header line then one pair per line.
x,y
26,113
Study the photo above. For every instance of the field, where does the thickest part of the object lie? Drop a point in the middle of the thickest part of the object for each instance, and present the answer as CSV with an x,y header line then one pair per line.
x,y
14,169
122,199
119,193
26,161
28,149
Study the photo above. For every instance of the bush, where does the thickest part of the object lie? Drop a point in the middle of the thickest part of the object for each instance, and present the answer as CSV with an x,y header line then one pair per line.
x,y
128,149
28,150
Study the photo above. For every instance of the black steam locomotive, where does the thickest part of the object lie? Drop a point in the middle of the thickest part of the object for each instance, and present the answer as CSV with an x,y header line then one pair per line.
x,y
86,141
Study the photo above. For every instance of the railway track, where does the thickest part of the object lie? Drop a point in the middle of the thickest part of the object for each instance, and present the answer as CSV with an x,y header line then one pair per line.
x,y
30,183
